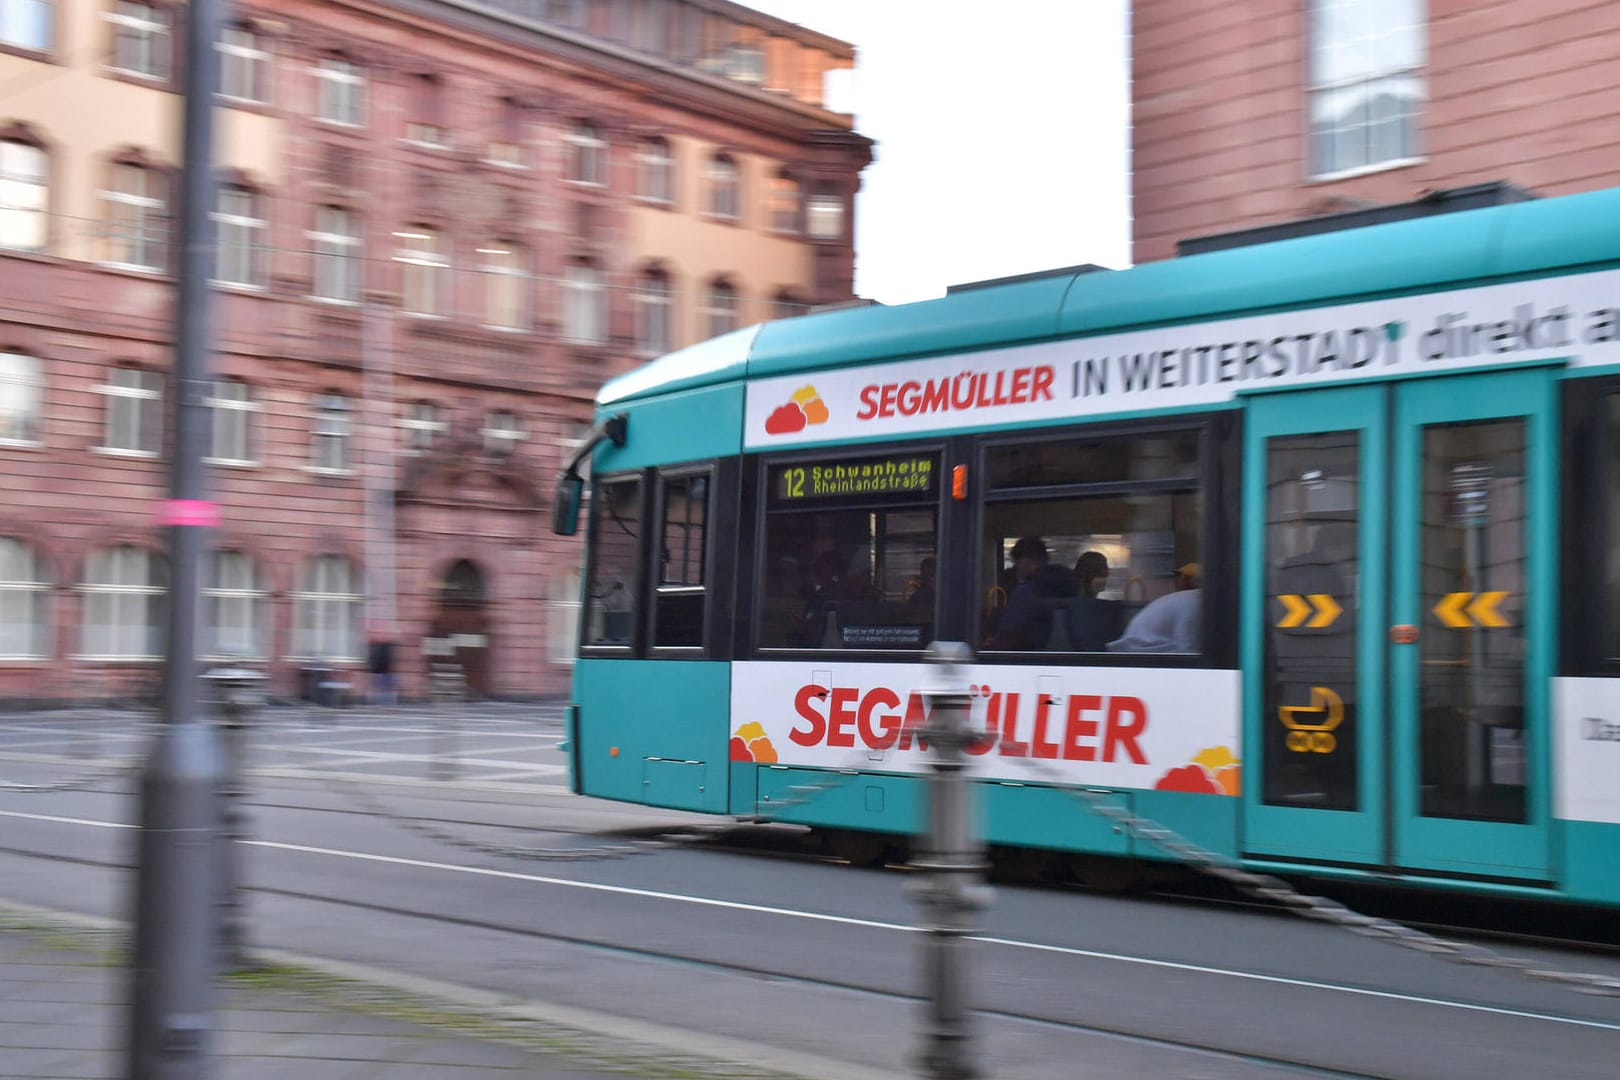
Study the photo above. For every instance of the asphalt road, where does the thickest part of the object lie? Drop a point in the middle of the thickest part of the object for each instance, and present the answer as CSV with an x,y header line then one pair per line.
x,y
385,841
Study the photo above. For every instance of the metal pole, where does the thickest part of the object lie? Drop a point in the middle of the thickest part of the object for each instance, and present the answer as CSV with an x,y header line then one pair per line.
x,y
177,873
951,888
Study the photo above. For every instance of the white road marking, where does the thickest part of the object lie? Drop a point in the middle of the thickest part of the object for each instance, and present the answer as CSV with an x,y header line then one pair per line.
x,y
846,920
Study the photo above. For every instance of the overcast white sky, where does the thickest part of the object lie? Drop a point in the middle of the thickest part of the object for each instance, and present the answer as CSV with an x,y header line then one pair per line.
x,y
1002,132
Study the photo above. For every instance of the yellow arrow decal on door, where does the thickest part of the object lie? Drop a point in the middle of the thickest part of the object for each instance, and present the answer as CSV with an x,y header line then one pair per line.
x,y
1297,607
1484,609
1327,609
1450,609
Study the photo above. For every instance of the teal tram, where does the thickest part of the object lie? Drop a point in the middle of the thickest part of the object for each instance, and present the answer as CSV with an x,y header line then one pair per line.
x,y
1308,550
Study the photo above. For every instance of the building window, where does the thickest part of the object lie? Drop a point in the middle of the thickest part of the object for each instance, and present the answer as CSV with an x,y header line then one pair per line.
x,y
785,305
421,426
238,607
424,260
746,63
240,225
720,309
337,246
140,39
137,218
426,122
342,92
26,24
329,446
824,215
569,13
231,406
584,305
124,591
1366,72
24,191
22,398
725,194
326,610
655,171
507,146
134,411
649,26
587,155
784,205
654,306
506,285
244,73
502,432
24,596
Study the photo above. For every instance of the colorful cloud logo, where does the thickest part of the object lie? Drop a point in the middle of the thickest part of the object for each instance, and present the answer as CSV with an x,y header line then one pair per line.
x,y
748,743
805,407
1213,771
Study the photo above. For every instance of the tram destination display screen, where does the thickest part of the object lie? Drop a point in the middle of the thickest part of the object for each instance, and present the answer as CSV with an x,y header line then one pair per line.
x,y
847,478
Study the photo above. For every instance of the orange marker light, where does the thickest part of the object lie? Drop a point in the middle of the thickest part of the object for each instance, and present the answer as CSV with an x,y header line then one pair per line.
x,y
613,751
959,482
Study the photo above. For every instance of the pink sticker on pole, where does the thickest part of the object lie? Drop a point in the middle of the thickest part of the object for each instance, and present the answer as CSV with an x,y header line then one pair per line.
x,y
199,513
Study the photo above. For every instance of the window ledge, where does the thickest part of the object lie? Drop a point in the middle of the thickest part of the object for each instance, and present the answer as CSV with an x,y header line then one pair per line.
x,y
135,269
22,444
25,661
241,288
121,452
515,166
1365,170
322,470
232,463
333,301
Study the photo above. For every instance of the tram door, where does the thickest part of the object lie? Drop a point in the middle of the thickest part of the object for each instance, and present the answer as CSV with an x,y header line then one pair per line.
x,y
1397,619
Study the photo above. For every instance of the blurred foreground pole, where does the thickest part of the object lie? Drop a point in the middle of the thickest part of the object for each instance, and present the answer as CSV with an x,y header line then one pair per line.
x,y
952,864
177,872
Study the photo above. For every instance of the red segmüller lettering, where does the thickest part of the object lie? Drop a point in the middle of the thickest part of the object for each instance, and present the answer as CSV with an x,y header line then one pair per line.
x,y
1089,727
964,391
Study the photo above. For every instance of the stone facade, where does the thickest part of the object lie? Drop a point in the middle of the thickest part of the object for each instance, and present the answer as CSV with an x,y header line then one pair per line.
x,y
356,522
1512,91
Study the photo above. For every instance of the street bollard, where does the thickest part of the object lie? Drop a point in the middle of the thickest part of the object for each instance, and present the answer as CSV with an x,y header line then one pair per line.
x,y
237,692
446,689
952,866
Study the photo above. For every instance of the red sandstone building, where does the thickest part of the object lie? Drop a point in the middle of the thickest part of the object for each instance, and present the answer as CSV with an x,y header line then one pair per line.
x,y
1255,112
442,226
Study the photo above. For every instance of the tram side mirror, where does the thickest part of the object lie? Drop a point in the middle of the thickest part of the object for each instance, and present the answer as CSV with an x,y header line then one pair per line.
x,y
565,511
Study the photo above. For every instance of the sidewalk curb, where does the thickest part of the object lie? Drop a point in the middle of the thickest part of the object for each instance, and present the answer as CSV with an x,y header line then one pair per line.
x,y
590,1035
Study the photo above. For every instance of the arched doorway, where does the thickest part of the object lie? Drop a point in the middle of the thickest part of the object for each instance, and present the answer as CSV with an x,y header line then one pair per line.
x,y
463,619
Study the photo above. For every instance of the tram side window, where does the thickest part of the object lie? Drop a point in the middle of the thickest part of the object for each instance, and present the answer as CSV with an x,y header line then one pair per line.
x,y
1093,545
850,554
678,599
1611,568
615,560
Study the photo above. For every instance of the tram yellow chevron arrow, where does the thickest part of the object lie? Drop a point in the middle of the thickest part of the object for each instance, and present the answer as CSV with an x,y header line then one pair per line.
x,y
1327,609
1322,608
1484,609
1460,609
1450,609
1297,607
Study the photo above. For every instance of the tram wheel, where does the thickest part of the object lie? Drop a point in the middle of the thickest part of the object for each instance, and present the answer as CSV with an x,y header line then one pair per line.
x,y
860,848
1105,874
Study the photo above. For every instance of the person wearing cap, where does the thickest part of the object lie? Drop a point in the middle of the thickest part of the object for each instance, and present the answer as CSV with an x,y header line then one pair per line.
x,y
1027,621
1170,624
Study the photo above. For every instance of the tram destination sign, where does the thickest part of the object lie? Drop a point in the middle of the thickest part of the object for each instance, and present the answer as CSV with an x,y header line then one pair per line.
x,y
841,478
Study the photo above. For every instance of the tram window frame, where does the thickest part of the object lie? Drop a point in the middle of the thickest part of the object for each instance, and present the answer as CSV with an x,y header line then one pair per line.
x,y
635,589
1215,480
1590,515
765,505
661,592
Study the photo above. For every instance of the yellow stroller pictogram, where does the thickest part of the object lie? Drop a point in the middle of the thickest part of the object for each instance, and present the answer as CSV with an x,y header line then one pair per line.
x,y
1313,738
